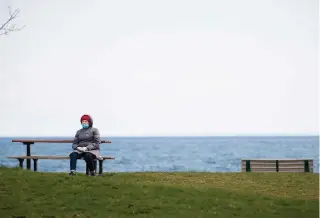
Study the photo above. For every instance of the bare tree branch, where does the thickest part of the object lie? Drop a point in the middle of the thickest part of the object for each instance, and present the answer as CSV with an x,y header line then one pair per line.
x,y
7,27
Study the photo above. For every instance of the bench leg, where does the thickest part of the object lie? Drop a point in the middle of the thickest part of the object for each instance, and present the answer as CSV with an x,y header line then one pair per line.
x,y
100,167
21,162
28,154
35,164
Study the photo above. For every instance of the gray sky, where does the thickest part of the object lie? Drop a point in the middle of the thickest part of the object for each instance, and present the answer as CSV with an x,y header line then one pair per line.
x,y
161,67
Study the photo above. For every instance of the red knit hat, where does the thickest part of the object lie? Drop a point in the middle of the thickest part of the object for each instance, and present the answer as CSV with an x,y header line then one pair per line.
x,y
85,117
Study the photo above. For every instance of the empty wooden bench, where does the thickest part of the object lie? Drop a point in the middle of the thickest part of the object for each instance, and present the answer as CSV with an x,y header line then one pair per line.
x,y
277,165
36,158
29,157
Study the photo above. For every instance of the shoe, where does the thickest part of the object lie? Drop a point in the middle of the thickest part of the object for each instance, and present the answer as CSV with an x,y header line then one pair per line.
x,y
72,173
92,173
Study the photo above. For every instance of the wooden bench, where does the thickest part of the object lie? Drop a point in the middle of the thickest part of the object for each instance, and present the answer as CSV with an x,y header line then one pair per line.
x,y
36,158
28,157
277,165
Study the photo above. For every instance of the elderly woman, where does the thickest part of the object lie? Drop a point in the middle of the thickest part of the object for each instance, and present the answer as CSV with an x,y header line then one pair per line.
x,y
86,145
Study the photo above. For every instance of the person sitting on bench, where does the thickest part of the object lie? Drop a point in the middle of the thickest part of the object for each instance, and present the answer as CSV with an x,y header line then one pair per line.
x,y
86,145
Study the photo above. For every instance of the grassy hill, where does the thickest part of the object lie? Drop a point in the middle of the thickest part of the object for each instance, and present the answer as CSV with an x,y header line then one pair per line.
x,y
256,195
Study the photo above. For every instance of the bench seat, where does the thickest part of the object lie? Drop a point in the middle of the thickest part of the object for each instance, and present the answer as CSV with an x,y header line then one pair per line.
x,y
35,159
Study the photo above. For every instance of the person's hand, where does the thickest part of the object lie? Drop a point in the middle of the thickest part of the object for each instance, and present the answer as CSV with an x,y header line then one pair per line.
x,y
82,149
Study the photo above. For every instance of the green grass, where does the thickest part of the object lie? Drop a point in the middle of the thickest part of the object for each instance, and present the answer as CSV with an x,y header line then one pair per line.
x,y
256,195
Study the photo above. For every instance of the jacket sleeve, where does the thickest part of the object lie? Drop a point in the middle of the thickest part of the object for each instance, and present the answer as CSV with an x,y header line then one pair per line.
x,y
95,144
75,142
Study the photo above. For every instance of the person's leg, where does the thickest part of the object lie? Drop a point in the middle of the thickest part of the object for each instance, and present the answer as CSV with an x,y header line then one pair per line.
x,y
74,156
88,157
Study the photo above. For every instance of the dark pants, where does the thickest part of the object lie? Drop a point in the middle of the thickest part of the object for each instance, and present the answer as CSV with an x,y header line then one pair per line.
x,y
88,157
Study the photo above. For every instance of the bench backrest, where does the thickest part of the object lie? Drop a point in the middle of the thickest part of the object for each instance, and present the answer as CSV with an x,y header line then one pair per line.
x,y
274,165
32,141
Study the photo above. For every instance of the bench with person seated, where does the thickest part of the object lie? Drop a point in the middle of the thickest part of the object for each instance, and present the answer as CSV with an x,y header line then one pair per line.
x,y
35,158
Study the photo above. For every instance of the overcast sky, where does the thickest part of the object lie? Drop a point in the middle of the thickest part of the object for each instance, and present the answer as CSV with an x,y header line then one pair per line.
x,y
144,68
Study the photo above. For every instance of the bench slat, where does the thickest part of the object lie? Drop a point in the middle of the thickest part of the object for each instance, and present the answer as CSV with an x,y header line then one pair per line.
x,y
279,159
292,170
264,170
51,157
49,141
293,165
260,161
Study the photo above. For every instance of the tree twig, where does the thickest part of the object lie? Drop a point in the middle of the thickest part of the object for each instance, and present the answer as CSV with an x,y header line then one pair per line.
x,y
7,27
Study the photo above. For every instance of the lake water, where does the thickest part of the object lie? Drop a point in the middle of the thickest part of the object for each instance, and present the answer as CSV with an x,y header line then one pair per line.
x,y
138,154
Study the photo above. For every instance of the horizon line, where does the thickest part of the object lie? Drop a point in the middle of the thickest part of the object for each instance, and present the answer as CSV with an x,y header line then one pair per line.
x,y
155,136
